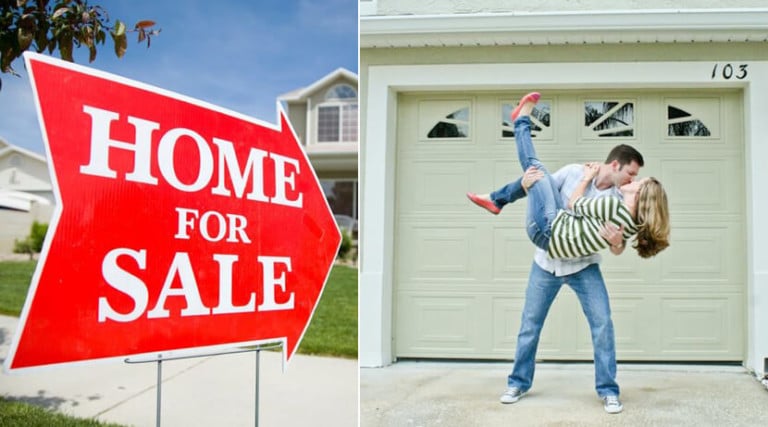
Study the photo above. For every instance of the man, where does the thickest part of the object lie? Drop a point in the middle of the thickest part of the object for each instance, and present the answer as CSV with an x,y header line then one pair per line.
x,y
581,274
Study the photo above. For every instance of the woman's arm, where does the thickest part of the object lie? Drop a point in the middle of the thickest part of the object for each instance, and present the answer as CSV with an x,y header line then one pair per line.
x,y
614,236
590,171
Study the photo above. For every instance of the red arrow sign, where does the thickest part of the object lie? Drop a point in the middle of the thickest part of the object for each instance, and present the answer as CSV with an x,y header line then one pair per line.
x,y
178,225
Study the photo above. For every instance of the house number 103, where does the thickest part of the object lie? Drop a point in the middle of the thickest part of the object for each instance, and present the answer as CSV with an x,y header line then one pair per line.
x,y
730,71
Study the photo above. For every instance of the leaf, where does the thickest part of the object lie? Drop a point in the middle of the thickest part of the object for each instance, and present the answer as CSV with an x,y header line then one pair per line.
x,y
144,24
25,38
60,11
66,42
119,29
25,33
121,44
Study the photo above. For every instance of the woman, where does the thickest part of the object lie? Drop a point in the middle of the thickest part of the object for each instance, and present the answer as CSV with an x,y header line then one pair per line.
x,y
642,213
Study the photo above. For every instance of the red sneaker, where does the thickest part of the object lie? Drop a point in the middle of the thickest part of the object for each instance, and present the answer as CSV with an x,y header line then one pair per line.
x,y
531,97
484,203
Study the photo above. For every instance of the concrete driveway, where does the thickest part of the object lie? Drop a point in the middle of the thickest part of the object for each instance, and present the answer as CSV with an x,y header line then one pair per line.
x,y
467,394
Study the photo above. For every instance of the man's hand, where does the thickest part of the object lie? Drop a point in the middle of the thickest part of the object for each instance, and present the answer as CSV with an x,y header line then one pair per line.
x,y
530,177
615,237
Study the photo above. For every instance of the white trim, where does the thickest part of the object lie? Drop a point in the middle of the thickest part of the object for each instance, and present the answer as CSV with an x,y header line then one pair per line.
x,y
583,27
368,7
378,167
303,93
16,149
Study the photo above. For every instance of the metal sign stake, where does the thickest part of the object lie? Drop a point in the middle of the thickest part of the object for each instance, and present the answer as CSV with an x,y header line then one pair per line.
x,y
159,360
258,353
159,387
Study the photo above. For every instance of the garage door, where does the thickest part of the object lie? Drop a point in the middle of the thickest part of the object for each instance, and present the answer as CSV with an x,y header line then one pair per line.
x,y
461,273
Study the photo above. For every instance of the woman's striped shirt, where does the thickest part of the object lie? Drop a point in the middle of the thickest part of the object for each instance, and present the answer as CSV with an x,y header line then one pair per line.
x,y
578,234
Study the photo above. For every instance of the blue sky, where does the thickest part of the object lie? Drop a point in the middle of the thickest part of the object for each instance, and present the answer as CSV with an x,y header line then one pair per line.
x,y
237,54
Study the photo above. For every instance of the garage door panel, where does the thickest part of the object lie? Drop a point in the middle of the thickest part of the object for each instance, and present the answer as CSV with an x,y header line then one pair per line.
x,y
435,186
703,255
700,326
634,326
435,322
562,328
506,324
512,254
703,187
440,252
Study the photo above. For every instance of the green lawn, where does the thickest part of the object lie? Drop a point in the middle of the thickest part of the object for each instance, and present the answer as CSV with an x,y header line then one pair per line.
x,y
333,330
14,283
18,414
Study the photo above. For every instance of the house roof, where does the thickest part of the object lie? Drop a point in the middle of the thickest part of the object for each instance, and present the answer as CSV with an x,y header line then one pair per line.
x,y
8,149
302,94
567,27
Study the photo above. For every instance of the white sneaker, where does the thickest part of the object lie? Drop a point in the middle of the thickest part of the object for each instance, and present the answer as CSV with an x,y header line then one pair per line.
x,y
512,395
612,404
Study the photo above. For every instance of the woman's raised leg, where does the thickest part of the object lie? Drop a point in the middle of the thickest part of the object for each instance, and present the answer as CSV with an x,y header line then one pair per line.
x,y
543,200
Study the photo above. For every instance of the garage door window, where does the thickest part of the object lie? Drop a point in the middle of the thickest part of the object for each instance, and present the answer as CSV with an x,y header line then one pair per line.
x,y
540,120
609,119
454,125
683,123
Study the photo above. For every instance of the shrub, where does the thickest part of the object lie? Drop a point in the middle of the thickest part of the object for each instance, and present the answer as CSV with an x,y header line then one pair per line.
x,y
33,243
346,244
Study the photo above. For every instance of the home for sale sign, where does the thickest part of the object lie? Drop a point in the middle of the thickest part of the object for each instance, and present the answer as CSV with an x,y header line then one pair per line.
x,y
178,225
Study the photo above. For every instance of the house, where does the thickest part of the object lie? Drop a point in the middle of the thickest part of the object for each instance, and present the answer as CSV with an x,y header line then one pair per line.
x,y
324,116
26,194
441,279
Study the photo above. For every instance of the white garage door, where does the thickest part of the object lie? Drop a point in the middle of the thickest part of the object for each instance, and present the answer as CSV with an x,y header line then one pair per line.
x,y
461,273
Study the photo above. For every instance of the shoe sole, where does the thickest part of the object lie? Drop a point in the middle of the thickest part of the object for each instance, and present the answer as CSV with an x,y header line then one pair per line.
x,y
531,97
487,205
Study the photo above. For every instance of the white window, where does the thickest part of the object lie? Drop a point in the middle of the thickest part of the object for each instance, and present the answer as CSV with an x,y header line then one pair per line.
x,y
337,116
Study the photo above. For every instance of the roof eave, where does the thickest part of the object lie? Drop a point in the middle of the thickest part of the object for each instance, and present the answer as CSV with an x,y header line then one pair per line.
x,y
593,27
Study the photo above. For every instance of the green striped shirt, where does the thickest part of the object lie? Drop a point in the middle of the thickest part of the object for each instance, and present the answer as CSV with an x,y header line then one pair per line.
x,y
578,234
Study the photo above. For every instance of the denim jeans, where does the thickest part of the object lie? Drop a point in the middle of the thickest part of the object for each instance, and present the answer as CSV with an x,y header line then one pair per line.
x,y
513,191
589,287
544,200
509,193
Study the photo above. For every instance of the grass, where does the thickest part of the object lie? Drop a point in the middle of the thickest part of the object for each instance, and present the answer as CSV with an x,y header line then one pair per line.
x,y
14,283
333,329
13,413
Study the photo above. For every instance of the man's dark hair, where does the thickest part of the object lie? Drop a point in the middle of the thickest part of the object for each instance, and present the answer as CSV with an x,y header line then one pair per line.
x,y
625,155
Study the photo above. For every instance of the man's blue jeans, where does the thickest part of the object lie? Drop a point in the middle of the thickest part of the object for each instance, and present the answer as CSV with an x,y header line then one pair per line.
x,y
589,286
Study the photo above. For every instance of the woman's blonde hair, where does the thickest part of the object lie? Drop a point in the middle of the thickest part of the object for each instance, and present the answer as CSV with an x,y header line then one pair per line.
x,y
652,218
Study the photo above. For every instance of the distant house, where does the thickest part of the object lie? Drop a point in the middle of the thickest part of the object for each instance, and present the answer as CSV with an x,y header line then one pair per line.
x,y
324,116
26,194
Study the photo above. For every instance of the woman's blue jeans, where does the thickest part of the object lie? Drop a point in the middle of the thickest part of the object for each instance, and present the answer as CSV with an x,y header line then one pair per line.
x,y
589,286
543,196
